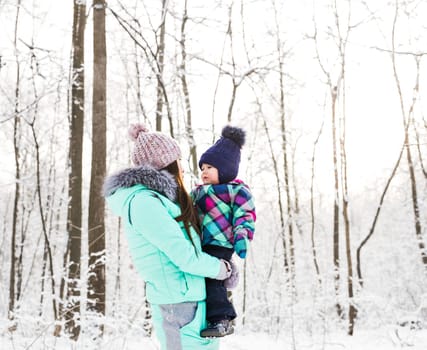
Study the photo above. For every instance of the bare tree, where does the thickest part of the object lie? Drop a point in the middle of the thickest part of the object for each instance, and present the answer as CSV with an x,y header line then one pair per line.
x,y
74,218
312,213
376,217
155,58
342,45
333,89
407,118
286,262
16,133
47,254
236,78
285,144
183,75
337,90
160,54
96,225
408,121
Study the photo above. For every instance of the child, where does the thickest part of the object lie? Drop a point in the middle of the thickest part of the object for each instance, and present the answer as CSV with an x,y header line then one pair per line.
x,y
227,216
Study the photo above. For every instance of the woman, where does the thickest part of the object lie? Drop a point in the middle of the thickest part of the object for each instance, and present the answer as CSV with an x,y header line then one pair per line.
x,y
162,231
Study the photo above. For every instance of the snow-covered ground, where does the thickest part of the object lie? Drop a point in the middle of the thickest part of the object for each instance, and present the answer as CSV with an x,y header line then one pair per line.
x,y
381,339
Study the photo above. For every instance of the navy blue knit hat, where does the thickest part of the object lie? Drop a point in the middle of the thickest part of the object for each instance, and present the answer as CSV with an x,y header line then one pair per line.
x,y
225,153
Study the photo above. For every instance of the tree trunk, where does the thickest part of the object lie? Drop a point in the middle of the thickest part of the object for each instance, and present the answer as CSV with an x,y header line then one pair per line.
x,y
374,222
74,215
352,311
415,205
183,75
312,229
47,247
286,262
286,170
406,123
16,131
96,225
233,64
336,225
117,282
161,59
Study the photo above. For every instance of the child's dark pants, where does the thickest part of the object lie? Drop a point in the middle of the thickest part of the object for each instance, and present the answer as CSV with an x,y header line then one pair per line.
x,y
218,307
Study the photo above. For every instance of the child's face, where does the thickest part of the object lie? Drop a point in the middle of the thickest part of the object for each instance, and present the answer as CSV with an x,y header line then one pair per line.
x,y
209,174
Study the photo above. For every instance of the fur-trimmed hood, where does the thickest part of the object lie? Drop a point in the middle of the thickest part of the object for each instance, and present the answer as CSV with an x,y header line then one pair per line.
x,y
173,268
157,180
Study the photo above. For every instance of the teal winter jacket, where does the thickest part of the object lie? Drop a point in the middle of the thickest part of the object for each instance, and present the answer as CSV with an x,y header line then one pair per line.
x,y
173,269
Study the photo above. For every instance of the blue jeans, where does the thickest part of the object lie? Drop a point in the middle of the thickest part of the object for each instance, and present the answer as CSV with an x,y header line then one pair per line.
x,y
178,326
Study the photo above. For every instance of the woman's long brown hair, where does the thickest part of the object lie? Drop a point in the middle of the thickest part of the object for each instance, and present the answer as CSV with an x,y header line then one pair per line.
x,y
188,215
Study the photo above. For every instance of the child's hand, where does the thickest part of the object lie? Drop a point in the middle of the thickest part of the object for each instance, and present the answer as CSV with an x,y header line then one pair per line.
x,y
225,270
232,281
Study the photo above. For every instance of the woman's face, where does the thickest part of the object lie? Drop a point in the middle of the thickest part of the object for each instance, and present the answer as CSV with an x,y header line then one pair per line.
x,y
209,174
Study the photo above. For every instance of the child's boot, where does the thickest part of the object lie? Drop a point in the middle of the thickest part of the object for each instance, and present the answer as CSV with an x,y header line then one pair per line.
x,y
217,329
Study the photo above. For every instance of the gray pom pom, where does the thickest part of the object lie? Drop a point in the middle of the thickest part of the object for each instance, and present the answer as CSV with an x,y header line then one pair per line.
x,y
235,134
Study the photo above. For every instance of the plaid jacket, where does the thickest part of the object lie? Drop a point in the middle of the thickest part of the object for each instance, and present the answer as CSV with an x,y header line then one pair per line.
x,y
227,215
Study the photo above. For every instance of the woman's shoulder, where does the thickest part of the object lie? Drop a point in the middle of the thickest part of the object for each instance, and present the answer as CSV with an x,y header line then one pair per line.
x,y
148,195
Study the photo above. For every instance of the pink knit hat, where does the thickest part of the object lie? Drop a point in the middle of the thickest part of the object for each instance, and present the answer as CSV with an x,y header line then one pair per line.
x,y
153,148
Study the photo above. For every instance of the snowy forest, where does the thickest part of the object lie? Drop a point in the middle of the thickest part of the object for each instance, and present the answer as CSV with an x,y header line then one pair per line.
x,y
332,95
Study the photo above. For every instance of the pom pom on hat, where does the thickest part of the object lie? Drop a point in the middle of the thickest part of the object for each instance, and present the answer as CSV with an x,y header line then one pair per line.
x,y
225,153
235,134
152,148
135,129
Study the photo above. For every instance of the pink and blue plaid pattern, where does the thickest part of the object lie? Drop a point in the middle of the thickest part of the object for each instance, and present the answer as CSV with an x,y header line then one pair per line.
x,y
227,215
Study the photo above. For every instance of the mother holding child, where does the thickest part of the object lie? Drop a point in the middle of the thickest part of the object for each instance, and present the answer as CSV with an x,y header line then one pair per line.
x,y
164,240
